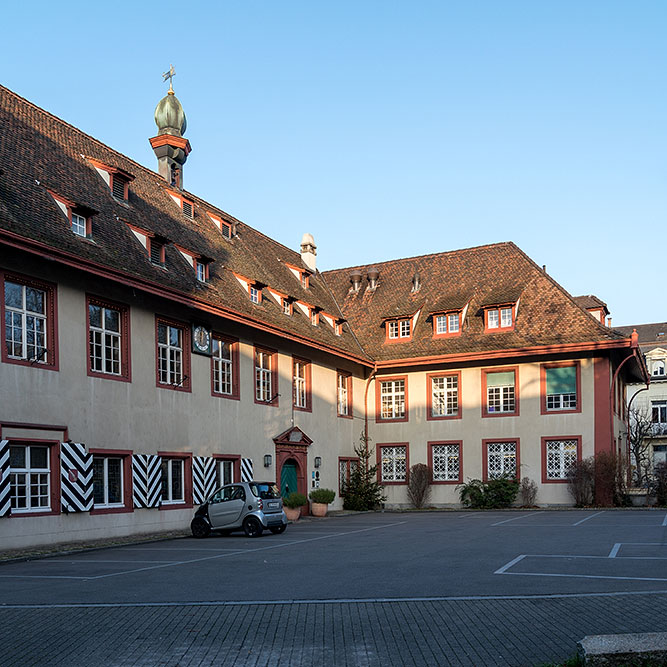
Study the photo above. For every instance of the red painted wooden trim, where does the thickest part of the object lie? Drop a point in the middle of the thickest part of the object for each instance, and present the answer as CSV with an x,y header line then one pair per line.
x,y
125,354
235,459
499,328
429,396
544,455
69,259
378,453
499,369
602,383
186,457
543,387
186,385
485,456
399,338
349,383
378,399
459,444
126,456
348,460
35,427
51,291
446,313
236,386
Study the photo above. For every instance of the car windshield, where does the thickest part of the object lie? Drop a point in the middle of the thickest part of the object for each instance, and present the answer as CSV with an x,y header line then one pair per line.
x,y
264,490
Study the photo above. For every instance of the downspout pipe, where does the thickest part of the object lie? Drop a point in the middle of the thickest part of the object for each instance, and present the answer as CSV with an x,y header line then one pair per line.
x,y
368,384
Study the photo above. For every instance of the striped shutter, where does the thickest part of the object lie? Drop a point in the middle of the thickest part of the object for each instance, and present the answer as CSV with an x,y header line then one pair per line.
x,y
76,477
203,478
146,480
246,470
5,496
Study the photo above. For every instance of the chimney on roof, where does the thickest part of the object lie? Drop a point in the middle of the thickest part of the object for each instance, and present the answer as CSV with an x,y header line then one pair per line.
x,y
355,279
609,322
170,146
308,251
373,275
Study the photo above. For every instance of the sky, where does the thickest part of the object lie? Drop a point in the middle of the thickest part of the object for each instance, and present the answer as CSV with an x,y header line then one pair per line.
x,y
390,129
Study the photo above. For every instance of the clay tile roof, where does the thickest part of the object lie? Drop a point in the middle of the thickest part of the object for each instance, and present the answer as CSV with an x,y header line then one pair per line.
x,y
650,335
590,301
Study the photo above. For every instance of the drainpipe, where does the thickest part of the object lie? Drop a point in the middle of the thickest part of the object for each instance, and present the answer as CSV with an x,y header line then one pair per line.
x,y
368,384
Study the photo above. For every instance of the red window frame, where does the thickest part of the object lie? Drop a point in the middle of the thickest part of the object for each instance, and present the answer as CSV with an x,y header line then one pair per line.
x,y
274,375
504,369
485,456
236,462
448,333
150,240
186,457
125,352
429,396
348,383
186,384
500,327
378,399
128,503
72,207
196,262
234,347
54,475
124,181
543,449
51,320
348,460
399,338
379,448
309,397
543,387
459,443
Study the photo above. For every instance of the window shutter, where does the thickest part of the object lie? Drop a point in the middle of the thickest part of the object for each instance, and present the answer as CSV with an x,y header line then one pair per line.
x,y
187,208
156,252
562,380
118,187
76,481
5,495
505,379
226,231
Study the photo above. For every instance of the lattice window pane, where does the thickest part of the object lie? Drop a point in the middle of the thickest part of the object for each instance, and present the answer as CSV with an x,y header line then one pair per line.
x,y
446,463
394,465
501,459
561,455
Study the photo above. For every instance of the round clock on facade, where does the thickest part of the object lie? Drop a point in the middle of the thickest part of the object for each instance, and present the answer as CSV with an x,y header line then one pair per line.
x,y
201,338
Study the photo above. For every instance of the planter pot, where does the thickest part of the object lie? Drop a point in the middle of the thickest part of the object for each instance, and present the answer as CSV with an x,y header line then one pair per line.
x,y
292,513
319,509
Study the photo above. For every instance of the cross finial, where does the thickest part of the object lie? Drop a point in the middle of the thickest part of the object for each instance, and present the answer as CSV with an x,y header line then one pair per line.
x,y
169,75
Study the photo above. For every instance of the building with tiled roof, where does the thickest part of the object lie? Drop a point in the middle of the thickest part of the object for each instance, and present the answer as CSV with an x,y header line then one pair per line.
x,y
156,347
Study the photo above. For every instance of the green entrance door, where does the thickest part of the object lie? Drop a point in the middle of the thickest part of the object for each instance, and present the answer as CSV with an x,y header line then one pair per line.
x,y
288,478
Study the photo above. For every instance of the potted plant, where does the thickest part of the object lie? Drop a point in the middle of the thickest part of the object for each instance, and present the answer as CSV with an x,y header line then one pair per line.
x,y
321,498
292,505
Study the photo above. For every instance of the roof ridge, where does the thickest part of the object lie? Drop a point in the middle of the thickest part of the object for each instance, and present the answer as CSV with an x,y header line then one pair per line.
x,y
431,254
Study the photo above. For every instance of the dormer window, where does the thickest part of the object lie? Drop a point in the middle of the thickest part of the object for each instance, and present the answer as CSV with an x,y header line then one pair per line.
x,y
287,306
399,329
305,280
447,324
659,368
255,294
119,187
156,251
201,270
79,216
79,225
499,318
314,317
224,227
338,328
188,211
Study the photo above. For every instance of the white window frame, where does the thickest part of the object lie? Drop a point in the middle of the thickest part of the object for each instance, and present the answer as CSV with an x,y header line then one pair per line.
x,y
168,494
445,393
559,451
659,412
504,458
446,462
29,478
27,321
393,463
493,319
200,271
225,472
566,401
406,328
392,329
392,399
263,376
105,481
300,369
342,396
505,318
107,341
658,368
254,294
287,307
501,399
170,356
79,224
223,367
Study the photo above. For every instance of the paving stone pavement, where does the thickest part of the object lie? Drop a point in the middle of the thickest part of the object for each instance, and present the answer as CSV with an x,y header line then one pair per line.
x,y
492,631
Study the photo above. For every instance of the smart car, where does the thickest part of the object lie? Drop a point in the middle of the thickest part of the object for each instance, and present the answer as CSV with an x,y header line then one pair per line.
x,y
248,506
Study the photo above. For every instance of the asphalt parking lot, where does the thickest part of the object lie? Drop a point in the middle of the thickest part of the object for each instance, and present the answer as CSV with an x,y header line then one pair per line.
x,y
461,588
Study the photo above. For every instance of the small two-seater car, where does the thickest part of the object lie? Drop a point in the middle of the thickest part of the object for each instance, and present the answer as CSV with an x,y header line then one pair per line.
x,y
248,506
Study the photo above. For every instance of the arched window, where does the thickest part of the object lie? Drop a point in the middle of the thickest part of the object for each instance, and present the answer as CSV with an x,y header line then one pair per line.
x,y
659,367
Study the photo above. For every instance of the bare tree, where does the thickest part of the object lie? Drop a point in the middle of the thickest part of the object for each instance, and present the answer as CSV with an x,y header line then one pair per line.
x,y
640,437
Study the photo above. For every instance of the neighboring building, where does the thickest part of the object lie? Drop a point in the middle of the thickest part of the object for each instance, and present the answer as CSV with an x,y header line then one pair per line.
x,y
653,344
154,347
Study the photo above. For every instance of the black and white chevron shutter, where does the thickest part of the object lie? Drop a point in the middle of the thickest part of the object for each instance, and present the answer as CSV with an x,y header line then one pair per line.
x,y
146,480
76,477
203,478
246,470
5,497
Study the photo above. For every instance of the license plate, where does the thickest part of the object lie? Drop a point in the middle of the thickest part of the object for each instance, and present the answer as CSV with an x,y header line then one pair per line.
x,y
272,505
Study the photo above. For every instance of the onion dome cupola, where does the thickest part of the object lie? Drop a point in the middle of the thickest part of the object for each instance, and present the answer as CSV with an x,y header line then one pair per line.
x,y
170,146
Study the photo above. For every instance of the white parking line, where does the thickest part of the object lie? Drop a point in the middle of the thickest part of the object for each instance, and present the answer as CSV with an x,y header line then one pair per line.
x,y
510,564
664,521
614,550
516,518
578,523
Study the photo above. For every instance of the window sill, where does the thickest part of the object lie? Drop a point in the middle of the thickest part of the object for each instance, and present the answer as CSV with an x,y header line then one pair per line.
x,y
111,510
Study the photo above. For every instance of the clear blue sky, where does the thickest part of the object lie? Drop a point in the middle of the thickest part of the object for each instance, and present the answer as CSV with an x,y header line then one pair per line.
x,y
390,129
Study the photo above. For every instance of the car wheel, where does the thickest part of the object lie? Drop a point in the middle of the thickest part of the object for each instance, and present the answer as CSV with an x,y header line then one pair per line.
x,y
276,530
200,528
252,527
